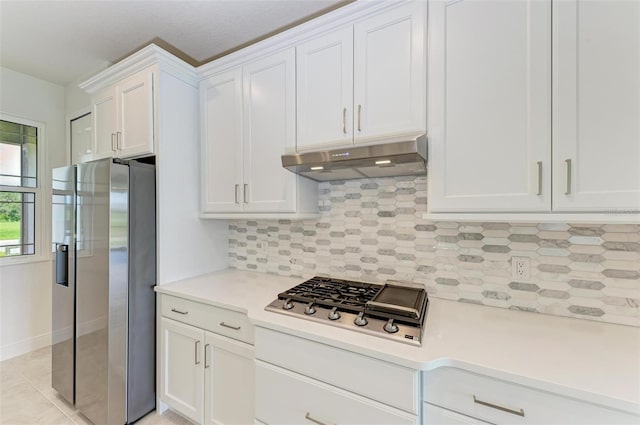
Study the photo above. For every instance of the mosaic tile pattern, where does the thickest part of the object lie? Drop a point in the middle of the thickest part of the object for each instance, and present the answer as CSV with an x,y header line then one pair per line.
x,y
372,230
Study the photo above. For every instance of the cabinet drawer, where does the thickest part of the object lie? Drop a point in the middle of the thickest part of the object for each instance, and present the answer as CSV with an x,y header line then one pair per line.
x,y
284,397
382,381
500,402
434,415
215,319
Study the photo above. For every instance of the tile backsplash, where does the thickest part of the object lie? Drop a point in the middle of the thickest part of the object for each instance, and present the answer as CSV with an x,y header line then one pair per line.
x,y
372,230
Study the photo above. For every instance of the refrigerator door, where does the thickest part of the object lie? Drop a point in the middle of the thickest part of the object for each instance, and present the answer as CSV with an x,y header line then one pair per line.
x,y
92,287
141,397
63,289
118,293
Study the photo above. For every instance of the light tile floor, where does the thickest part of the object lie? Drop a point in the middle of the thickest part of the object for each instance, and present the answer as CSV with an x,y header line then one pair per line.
x,y
26,396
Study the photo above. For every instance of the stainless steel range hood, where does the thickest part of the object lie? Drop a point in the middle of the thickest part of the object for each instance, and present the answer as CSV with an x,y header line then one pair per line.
x,y
405,158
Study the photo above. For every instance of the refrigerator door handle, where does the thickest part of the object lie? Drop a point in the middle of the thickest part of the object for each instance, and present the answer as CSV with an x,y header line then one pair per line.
x,y
62,264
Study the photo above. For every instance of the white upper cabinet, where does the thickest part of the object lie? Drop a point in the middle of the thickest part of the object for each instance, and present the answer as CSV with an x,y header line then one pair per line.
x,y
516,125
365,82
248,122
105,124
221,106
389,74
596,92
136,115
81,137
325,90
269,131
123,117
489,108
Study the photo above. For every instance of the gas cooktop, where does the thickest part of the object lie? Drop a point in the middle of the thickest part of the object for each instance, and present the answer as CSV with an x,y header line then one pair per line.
x,y
395,310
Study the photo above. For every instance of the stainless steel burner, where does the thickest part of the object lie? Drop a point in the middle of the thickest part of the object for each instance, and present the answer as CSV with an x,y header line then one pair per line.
x,y
395,310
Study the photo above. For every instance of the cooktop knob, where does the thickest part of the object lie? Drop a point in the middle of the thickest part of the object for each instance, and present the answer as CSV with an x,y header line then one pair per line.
x,y
361,320
390,327
334,314
309,309
288,305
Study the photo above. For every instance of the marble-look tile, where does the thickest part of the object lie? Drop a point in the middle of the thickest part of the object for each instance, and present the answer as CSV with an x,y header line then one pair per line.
x,y
372,229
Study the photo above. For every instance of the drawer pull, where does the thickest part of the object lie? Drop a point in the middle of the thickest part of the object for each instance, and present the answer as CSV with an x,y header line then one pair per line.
x,y
539,178
179,311
315,421
344,120
235,328
206,365
568,164
495,406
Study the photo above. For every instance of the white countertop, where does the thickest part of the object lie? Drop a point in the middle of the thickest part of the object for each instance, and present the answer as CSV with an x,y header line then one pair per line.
x,y
593,361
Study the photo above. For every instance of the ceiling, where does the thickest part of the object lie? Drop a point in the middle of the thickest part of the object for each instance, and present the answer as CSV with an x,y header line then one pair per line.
x,y
65,41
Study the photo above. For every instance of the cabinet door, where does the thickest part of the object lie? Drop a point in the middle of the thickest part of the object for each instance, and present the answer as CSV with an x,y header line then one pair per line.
x,y
136,108
596,95
389,74
434,415
105,123
269,131
284,397
489,107
182,368
325,91
229,381
81,138
221,106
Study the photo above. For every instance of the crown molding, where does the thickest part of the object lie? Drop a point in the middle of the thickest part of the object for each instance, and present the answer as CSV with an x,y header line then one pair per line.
x,y
339,18
143,58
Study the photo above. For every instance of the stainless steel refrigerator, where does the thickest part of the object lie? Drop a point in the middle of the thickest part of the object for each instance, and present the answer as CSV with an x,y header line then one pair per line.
x,y
104,239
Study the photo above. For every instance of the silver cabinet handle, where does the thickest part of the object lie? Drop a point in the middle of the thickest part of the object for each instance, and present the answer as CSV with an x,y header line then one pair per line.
x,y
344,120
245,198
495,406
237,187
539,178
175,310
315,421
118,139
113,142
568,163
206,365
235,328
196,352
359,114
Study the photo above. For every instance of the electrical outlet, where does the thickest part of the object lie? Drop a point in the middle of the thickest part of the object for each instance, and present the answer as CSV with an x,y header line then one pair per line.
x,y
520,268
264,247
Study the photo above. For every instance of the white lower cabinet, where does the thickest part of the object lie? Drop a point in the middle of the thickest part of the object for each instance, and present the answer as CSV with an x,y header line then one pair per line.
x,y
434,415
228,381
496,401
303,381
204,376
285,397
181,374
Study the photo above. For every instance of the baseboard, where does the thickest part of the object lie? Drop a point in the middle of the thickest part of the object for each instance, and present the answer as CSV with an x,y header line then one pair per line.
x,y
25,346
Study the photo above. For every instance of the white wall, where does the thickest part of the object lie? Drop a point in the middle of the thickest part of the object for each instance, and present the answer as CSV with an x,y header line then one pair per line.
x,y
25,289
187,245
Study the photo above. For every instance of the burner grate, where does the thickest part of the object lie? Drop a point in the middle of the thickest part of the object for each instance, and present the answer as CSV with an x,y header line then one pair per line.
x,y
328,292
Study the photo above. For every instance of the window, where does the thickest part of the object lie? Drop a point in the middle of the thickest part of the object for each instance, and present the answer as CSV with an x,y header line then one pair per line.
x,y
19,190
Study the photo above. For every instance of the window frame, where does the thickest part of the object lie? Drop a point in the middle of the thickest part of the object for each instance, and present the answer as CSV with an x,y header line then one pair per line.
x,y
42,196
